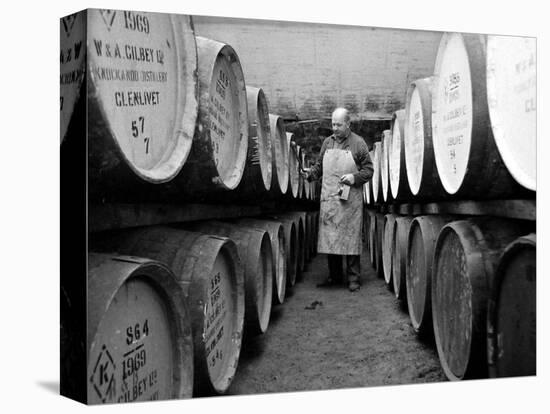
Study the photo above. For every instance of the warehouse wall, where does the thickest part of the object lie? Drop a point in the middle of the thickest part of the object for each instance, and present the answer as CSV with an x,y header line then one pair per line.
x,y
306,70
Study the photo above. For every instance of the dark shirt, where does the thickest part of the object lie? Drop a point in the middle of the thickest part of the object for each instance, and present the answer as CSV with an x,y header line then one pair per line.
x,y
359,151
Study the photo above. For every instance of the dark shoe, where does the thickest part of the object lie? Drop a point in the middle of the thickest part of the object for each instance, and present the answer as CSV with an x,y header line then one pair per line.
x,y
354,287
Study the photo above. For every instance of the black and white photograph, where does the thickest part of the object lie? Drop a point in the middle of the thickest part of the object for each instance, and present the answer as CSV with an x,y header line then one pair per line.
x,y
288,209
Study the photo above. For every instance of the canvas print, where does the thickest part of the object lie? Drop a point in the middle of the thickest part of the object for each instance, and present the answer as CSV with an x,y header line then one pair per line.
x,y
257,206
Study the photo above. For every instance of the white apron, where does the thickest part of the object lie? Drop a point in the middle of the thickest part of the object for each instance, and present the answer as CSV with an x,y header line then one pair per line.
x,y
340,221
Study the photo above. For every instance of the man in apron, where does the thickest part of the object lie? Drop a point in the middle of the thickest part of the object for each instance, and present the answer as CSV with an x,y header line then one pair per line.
x,y
344,165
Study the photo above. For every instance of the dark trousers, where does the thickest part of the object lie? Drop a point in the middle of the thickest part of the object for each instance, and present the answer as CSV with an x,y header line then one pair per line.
x,y
353,268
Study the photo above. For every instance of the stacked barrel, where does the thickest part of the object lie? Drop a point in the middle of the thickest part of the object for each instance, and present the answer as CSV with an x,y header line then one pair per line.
x,y
466,137
171,120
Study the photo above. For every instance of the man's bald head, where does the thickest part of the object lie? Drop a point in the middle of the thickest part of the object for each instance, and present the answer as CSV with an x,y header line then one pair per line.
x,y
341,114
340,122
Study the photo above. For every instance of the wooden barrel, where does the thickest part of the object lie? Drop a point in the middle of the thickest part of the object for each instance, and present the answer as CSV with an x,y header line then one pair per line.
x,y
384,171
468,162
259,163
142,98
279,155
399,256
139,339
512,99
387,248
278,246
211,274
512,319
293,166
376,177
399,184
372,238
254,248
312,233
366,193
420,249
466,255
72,66
307,190
299,222
379,240
421,169
220,144
300,152
291,248
307,238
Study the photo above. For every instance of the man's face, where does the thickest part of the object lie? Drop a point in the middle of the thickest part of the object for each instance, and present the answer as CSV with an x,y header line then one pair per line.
x,y
340,126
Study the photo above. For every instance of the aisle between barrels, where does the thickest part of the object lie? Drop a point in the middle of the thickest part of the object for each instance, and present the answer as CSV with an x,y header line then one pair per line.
x,y
328,338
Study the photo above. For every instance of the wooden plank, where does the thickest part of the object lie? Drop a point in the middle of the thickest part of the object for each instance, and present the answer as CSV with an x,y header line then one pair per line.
x,y
517,209
116,216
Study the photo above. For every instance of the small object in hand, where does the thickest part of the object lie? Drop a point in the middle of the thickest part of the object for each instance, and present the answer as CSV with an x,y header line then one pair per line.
x,y
344,192
314,305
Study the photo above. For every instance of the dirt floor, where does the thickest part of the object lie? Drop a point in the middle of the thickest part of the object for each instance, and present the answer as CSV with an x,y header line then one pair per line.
x,y
348,340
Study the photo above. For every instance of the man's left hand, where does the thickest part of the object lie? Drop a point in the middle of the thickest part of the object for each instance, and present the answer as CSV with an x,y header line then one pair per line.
x,y
348,179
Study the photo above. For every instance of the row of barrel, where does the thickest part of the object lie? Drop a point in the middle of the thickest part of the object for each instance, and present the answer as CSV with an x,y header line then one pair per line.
x,y
469,283
468,131
169,116
168,306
